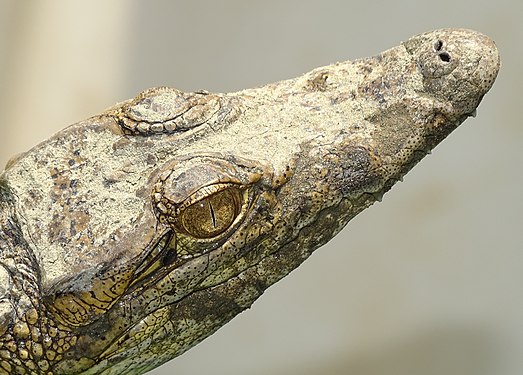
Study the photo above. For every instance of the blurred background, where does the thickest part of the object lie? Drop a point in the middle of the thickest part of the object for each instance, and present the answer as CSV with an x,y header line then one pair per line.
x,y
430,281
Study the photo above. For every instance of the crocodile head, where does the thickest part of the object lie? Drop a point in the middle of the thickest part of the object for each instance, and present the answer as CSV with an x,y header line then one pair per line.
x,y
133,235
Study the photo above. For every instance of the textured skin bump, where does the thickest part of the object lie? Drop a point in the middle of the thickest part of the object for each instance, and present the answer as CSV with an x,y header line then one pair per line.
x,y
127,238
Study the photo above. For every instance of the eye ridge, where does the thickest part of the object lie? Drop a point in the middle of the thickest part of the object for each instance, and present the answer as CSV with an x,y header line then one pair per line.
x,y
205,192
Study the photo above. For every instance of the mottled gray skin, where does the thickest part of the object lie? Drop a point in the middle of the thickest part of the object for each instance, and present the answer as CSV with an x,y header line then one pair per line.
x,y
128,238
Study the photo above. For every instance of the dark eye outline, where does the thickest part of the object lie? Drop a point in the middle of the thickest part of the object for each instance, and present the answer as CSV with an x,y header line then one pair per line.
x,y
205,207
173,216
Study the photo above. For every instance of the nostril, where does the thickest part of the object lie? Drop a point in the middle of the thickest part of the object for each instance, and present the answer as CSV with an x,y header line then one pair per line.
x,y
438,45
444,56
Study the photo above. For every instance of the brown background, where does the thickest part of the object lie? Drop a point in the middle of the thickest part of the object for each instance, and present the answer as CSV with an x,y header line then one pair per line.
x,y
428,282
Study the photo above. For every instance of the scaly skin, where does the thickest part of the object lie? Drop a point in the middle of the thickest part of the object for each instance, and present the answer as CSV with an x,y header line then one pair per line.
x,y
128,238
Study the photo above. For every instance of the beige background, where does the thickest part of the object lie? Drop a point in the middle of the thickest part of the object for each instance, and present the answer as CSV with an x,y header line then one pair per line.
x,y
428,282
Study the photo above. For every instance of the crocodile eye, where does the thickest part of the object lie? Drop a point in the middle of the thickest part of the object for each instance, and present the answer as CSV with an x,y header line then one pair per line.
x,y
203,199
212,215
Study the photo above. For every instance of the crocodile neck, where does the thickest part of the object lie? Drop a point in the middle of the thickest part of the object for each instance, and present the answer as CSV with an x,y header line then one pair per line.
x,y
29,339
16,258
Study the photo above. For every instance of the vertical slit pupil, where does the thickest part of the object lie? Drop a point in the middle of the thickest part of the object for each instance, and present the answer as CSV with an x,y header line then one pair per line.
x,y
213,215
438,46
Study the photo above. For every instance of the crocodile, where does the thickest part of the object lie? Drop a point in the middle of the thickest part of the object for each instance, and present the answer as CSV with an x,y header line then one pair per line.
x,y
128,238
